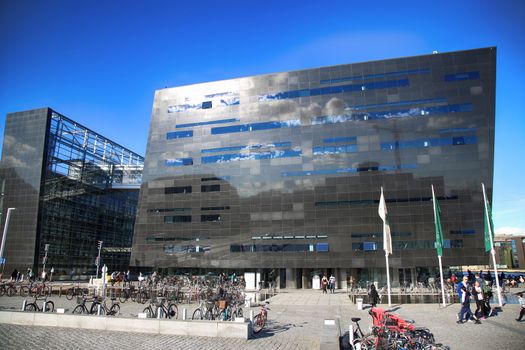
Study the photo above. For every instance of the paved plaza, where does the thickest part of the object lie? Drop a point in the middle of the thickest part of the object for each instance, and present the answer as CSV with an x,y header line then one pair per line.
x,y
296,321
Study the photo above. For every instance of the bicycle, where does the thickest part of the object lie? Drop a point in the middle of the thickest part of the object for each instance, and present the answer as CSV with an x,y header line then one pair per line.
x,y
75,291
259,321
113,310
39,289
170,311
82,308
48,305
205,311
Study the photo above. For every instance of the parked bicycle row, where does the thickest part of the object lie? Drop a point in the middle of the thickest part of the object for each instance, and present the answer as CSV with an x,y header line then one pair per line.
x,y
390,331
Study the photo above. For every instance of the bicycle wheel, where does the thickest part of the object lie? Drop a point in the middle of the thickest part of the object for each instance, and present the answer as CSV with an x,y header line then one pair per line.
x,y
50,306
24,291
149,312
173,311
114,310
123,296
258,323
94,309
30,307
78,310
70,294
11,291
239,312
209,315
368,342
197,315
2,291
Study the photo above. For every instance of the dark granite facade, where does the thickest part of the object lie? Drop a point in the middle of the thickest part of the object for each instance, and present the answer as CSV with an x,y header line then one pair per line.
x,y
284,171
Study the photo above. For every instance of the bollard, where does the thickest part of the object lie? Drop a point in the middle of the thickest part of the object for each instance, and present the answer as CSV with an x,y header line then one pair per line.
x,y
251,316
24,304
184,311
350,334
98,309
60,291
44,306
159,313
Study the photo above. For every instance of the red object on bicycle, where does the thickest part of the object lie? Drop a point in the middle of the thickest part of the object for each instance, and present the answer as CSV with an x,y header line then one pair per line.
x,y
381,317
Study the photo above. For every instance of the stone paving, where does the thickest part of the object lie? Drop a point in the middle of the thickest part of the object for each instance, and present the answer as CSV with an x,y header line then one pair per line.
x,y
295,322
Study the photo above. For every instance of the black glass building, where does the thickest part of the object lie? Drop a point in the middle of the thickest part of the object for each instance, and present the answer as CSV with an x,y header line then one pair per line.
x,y
282,172
71,188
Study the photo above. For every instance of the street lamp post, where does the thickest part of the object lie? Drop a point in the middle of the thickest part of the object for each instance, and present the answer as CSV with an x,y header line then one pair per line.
x,y
8,217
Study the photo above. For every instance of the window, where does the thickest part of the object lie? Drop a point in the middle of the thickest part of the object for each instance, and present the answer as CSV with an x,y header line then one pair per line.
x,y
210,218
321,247
221,121
215,208
210,188
181,189
179,218
179,134
179,162
206,105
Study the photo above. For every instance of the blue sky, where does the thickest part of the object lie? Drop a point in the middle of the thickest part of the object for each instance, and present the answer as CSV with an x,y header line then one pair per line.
x,y
99,62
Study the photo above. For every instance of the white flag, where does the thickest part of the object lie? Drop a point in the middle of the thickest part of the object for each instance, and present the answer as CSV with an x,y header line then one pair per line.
x,y
383,213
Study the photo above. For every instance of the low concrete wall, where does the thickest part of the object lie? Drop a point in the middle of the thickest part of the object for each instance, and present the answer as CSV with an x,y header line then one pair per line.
x,y
240,330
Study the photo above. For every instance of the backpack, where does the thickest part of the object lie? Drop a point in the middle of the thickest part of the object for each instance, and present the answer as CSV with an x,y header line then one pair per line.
x,y
487,290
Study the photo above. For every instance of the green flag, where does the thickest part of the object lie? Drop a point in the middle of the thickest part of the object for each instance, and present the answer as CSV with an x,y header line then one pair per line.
x,y
437,221
488,221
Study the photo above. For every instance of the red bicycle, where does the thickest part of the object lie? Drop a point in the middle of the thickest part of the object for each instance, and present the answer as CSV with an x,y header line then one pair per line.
x,y
259,321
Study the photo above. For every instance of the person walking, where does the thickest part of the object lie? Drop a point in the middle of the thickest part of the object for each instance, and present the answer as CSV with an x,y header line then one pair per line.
x,y
373,296
477,293
522,304
332,284
324,284
14,275
487,295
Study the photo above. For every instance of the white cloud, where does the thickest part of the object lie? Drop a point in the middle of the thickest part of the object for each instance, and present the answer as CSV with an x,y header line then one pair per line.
x,y
510,231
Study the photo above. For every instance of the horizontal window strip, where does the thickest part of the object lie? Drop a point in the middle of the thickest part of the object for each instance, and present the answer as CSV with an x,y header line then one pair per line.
x,y
335,149
166,210
177,219
178,189
412,112
178,162
211,122
454,130
220,178
268,248
379,234
463,232
348,170
171,249
246,147
376,201
179,134
255,127
333,90
168,239
224,158
462,76
376,76
227,207
406,245
399,103
431,142
340,139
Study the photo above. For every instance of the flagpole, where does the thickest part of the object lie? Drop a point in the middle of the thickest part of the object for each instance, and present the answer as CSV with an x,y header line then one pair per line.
x,y
388,249
388,280
439,256
492,251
